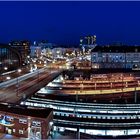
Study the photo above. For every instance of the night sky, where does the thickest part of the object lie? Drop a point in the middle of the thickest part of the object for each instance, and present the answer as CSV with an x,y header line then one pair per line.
x,y
64,22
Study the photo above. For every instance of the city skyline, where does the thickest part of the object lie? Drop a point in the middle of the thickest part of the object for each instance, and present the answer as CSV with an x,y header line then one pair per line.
x,y
65,22
69,70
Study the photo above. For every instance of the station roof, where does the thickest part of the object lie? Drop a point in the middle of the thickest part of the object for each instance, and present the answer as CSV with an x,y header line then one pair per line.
x,y
39,113
116,49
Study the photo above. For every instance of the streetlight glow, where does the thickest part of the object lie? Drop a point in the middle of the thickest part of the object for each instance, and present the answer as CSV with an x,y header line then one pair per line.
x,y
8,77
19,70
5,68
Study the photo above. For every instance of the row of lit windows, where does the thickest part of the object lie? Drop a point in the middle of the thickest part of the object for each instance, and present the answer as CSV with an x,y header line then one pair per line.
x,y
112,54
34,123
14,130
22,120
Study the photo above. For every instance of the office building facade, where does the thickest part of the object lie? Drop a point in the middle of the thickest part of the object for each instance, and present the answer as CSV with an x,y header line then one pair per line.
x,y
25,123
116,57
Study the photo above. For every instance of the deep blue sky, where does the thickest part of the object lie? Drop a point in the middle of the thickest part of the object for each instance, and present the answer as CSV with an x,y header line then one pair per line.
x,y
64,22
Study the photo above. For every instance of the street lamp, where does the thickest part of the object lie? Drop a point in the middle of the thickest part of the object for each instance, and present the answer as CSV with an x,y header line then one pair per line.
x,y
37,76
2,74
8,77
5,68
135,94
45,63
18,72
122,78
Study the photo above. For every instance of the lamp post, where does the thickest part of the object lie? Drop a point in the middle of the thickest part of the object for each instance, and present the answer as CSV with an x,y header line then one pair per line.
x,y
122,81
18,72
2,74
37,77
135,94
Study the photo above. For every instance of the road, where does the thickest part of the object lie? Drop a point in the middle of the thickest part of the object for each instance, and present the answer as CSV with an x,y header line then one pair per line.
x,y
17,89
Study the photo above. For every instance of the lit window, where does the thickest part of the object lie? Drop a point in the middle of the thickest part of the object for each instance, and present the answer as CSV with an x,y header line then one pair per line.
x,y
24,121
20,131
6,128
36,123
9,118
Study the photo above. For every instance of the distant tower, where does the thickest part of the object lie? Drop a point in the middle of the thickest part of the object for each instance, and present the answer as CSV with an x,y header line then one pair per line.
x,y
93,40
81,42
82,46
87,38
35,43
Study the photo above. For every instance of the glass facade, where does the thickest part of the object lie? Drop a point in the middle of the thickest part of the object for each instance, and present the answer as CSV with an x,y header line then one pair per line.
x,y
9,58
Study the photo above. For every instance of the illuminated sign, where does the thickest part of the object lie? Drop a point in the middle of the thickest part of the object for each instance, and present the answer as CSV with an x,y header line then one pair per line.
x,y
5,122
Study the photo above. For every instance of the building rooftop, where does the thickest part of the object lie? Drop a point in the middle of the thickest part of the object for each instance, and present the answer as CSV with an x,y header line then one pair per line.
x,y
116,48
39,113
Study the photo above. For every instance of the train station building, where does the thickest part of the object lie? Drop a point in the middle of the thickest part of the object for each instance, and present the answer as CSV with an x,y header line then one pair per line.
x,y
116,56
10,58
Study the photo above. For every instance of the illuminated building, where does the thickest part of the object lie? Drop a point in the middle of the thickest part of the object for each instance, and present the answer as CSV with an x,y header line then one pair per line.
x,y
25,123
35,51
50,50
116,57
23,48
41,49
10,58
88,42
46,44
